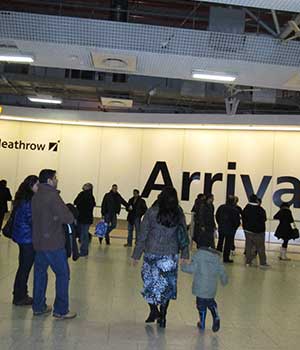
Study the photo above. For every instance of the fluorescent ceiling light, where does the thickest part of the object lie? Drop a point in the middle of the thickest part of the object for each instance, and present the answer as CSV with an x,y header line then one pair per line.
x,y
232,127
16,58
55,101
213,76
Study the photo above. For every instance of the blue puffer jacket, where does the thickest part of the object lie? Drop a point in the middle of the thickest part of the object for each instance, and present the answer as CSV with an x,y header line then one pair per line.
x,y
22,228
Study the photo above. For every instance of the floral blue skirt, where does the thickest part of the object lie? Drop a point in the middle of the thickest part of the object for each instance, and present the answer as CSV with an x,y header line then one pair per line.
x,y
159,274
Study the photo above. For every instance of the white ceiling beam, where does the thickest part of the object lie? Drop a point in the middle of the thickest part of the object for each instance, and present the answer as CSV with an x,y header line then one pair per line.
x,y
280,5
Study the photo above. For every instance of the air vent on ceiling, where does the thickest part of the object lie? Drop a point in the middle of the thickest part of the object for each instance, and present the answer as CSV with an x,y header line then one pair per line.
x,y
8,45
293,82
116,102
114,62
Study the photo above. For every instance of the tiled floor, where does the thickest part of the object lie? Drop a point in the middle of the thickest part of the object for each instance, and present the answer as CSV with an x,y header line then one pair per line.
x,y
259,309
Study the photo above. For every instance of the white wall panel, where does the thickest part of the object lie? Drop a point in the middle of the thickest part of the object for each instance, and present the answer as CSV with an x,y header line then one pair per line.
x,y
8,157
120,161
206,152
79,159
32,161
165,146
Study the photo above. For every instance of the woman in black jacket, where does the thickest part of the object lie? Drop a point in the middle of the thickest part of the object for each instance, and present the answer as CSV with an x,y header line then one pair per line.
x,y
85,203
284,230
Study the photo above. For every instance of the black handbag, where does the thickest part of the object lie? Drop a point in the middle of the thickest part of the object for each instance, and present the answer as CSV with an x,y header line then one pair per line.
x,y
182,237
8,227
295,233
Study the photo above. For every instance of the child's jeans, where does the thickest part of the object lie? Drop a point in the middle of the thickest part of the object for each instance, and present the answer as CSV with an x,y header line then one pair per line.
x,y
203,305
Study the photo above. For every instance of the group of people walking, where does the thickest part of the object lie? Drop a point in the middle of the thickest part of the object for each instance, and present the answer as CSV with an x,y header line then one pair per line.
x,y
40,216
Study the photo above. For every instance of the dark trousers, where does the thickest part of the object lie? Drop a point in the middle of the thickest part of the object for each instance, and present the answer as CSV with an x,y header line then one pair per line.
x,y
57,260
2,214
26,260
255,242
111,220
204,304
131,226
227,236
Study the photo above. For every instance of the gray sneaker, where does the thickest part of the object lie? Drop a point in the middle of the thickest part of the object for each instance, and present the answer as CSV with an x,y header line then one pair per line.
x,y
46,311
67,316
265,266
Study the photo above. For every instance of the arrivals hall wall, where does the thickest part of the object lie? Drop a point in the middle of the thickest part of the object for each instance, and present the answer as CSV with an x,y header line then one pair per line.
x,y
127,156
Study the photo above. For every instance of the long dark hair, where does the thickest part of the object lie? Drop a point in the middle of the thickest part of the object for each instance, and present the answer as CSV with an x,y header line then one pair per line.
x,y
169,213
24,192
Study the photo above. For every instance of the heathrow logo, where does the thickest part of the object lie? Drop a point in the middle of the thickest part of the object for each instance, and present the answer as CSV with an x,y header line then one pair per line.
x,y
29,146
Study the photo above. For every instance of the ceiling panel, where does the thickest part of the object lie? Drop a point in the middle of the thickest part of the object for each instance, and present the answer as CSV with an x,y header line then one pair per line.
x,y
161,51
282,5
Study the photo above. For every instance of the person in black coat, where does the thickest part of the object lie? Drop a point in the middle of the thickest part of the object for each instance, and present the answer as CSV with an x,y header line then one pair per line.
x,y
197,212
284,230
136,209
85,204
254,224
205,225
110,208
5,197
228,220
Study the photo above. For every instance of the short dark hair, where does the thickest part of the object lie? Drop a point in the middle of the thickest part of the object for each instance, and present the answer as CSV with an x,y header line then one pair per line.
x,y
136,190
230,200
253,198
114,185
45,175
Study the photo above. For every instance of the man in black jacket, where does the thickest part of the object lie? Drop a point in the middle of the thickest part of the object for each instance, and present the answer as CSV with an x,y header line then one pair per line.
x,y
85,203
5,197
136,209
254,225
110,208
228,219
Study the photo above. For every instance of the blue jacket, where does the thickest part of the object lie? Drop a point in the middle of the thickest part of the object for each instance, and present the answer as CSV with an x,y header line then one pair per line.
x,y
207,269
22,227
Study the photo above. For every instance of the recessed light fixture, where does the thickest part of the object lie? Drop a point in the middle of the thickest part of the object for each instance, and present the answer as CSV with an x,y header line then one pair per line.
x,y
48,99
213,76
16,58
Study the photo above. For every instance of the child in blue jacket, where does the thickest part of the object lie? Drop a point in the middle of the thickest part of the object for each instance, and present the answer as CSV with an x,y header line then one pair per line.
x,y
207,269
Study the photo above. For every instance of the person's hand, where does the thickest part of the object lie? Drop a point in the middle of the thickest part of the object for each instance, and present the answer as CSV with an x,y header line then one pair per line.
x,y
184,261
135,263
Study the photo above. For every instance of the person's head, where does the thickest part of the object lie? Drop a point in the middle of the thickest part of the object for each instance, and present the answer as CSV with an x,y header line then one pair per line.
x,y
210,198
87,187
203,242
253,198
114,188
230,200
48,176
201,197
285,205
236,200
27,189
168,212
136,193
3,183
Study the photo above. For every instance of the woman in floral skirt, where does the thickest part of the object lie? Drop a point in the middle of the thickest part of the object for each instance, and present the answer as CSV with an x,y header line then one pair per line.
x,y
159,242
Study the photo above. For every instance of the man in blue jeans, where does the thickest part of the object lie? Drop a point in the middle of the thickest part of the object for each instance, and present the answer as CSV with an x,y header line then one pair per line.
x,y
49,213
110,208
136,209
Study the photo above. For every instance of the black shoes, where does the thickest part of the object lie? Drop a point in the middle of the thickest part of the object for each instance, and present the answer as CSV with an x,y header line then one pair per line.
x,y
216,325
229,261
27,301
154,314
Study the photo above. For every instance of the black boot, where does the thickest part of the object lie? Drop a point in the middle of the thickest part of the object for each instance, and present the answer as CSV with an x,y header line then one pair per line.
x,y
100,240
154,314
216,318
163,315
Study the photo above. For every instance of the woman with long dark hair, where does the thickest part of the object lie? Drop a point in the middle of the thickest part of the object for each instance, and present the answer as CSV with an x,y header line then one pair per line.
x,y
159,241
22,235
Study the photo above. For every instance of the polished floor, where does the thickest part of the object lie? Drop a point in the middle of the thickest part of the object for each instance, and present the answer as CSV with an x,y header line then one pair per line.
x,y
259,309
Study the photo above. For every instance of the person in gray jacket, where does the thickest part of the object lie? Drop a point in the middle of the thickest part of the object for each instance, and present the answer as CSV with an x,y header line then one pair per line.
x,y
159,242
207,269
